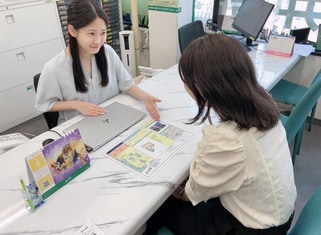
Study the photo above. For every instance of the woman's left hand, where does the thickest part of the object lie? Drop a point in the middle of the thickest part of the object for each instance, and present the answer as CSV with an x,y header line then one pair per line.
x,y
149,100
151,106
179,193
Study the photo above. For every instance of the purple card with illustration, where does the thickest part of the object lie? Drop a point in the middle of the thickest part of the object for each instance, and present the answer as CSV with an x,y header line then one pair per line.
x,y
66,158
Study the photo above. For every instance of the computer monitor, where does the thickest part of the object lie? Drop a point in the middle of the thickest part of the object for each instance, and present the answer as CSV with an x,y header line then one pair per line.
x,y
216,10
318,43
301,35
251,18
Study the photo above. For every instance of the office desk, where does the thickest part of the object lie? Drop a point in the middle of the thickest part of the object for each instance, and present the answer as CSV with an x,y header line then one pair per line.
x,y
269,68
116,199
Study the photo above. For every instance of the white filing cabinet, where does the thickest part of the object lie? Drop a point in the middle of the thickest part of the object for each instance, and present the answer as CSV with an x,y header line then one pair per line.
x,y
30,36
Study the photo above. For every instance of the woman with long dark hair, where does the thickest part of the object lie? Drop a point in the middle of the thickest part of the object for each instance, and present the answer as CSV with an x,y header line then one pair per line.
x,y
88,72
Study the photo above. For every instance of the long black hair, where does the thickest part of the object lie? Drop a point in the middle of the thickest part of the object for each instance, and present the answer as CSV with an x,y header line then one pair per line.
x,y
221,75
79,14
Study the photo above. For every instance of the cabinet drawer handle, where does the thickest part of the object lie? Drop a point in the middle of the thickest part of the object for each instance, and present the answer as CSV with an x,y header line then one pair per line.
x,y
21,56
10,19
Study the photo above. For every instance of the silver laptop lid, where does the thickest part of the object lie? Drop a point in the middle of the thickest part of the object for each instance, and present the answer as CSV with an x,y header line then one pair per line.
x,y
97,131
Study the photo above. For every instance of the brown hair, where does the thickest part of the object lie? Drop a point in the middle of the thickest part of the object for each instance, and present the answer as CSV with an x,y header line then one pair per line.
x,y
221,75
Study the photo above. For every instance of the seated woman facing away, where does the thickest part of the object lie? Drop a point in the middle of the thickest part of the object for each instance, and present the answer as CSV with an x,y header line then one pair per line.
x,y
241,178
88,72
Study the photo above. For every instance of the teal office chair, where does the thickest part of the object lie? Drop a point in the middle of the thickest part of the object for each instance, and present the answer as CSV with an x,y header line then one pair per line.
x,y
294,123
290,93
189,32
164,231
309,220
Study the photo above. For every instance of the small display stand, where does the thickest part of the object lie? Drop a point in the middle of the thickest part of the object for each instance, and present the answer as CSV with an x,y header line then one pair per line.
x,y
54,166
281,45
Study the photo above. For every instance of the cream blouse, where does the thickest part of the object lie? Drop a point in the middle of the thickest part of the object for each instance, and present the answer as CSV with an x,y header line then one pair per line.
x,y
250,170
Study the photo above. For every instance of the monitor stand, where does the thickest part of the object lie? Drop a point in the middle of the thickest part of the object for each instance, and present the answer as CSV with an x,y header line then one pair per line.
x,y
250,43
246,45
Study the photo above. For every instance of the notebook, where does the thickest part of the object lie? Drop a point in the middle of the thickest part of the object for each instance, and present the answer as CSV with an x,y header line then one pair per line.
x,y
97,131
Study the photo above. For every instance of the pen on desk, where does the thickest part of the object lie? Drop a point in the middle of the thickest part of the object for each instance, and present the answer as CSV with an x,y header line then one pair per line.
x,y
25,191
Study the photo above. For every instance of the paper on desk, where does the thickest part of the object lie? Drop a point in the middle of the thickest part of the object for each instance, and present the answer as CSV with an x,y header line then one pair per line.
x,y
303,50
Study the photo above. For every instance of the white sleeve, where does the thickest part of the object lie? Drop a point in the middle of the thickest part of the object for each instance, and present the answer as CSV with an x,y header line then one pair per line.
x,y
218,165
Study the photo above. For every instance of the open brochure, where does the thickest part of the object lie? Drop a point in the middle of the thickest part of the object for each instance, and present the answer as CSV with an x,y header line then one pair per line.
x,y
147,149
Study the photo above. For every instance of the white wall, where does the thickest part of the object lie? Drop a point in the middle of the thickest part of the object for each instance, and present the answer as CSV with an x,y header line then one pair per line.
x,y
163,35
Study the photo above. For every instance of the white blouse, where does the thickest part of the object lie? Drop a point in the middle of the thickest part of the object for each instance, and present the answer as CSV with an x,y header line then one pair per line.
x,y
250,170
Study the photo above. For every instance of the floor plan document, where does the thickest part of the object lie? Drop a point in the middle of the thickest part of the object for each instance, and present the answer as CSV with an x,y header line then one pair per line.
x,y
148,148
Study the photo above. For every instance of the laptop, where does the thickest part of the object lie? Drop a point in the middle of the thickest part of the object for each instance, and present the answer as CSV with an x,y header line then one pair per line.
x,y
301,35
97,131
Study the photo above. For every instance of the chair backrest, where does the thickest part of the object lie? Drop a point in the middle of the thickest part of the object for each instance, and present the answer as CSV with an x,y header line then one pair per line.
x,y
36,80
301,110
309,220
50,117
189,32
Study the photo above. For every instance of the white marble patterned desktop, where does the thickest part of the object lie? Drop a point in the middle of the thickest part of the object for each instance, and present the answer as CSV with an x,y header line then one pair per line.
x,y
113,197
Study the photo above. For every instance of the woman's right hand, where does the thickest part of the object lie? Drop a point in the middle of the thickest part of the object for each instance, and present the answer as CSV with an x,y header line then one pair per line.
x,y
83,107
89,109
